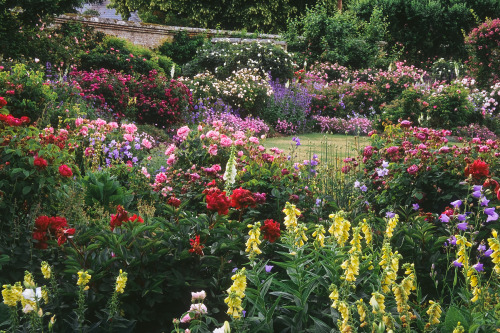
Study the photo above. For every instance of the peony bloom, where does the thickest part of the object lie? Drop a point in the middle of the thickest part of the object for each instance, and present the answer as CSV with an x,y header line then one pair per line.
x,y
477,169
183,132
65,171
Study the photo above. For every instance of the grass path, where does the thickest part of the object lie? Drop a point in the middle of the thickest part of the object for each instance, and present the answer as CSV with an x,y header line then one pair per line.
x,y
328,147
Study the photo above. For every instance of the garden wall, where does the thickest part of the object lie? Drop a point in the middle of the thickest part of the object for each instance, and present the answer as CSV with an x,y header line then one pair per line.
x,y
152,35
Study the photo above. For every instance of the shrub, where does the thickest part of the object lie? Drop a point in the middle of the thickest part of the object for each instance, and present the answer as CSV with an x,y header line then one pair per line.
x,y
411,105
483,45
223,59
26,92
352,126
118,54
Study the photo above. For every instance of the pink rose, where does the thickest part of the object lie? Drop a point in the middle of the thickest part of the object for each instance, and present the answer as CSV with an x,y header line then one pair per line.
x,y
183,132
412,170
212,150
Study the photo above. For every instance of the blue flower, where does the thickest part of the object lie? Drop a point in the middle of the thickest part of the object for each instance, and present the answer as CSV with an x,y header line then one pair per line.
x,y
363,188
390,215
416,206
462,226
268,268
456,203
478,267
457,264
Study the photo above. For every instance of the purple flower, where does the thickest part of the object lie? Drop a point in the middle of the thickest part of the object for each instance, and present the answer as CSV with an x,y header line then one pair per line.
x,y
476,188
462,226
318,202
481,248
390,215
484,201
416,206
456,203
357,184
385,164
363,188
488,252
444,218
461,217
452,240
457,264
478,267
235,269
492,215
137,146
476,194
268,268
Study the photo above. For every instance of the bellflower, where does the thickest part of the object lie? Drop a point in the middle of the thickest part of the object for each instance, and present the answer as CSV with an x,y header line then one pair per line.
x,y
363,188
478,267
416,206
484,201
268,268
456,203
457,264
444,218
492,215
462,226
461,217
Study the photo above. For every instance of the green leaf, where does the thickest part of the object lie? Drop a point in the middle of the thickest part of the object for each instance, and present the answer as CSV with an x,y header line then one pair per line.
x,y
453,316
26,190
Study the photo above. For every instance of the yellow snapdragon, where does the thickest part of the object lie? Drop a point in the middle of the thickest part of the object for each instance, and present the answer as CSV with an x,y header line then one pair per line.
x,y
236,293
253,241
83,278
121,282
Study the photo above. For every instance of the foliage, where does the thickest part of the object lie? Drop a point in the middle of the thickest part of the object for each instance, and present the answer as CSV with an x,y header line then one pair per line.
x,y
183,48
270,16
428,30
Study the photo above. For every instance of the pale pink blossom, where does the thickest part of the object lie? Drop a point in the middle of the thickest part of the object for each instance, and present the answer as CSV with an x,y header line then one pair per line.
x,y
225,141
253,139
171,159
212,150
170,150
128,137
146,143
183,132
240,153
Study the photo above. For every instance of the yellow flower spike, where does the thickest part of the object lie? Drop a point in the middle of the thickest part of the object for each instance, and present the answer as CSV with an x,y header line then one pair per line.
x,y
391,225
28,280
46,271
459,328
494,244
319,236
367,232
10,296
356,240
434,313
121,282
292,214
83,278
339,228
253,241
236,293
334,295
360,305
377,303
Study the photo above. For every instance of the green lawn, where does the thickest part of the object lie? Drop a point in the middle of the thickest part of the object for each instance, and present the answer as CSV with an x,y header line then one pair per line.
x,y
328,147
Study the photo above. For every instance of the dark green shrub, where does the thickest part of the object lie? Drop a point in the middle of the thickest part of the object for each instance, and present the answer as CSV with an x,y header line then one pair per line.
x,y
183,48
409,106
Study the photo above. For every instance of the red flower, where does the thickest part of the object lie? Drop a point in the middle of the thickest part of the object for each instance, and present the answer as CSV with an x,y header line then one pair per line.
x,y
62,235
217,200
42,223
136,218
3,102
477,169
196,247
242,198
271,230
118,218
40,163
65,171
57,223
174,202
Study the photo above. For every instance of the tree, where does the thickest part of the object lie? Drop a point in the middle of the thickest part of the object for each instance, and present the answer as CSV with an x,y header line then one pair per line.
x,y
263,15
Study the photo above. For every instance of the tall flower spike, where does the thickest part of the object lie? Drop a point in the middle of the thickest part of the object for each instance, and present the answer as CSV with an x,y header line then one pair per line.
x,y
319,236
236,293
230,173
434,313
292,214
494,244
121,281
46,271
253,241
83,278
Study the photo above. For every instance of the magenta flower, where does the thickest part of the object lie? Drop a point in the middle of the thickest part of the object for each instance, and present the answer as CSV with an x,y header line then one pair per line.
x,y
413,169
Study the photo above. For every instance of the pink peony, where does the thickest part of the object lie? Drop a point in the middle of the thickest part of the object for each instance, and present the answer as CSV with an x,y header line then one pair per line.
x,y
170,150
183,132
212,150
225,141
412,170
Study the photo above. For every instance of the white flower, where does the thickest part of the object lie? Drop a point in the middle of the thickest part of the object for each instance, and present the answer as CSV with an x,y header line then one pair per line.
x,y
198,308
198,295
32,295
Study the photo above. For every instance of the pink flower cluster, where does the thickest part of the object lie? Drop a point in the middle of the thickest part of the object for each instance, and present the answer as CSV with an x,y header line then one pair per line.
x,y
358,126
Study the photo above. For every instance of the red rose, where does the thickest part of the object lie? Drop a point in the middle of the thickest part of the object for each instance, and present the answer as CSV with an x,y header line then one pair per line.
x,y
242,198
3,102
174,202
478,169
65,171
57,222
217,201
42,223
271,230
40,163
